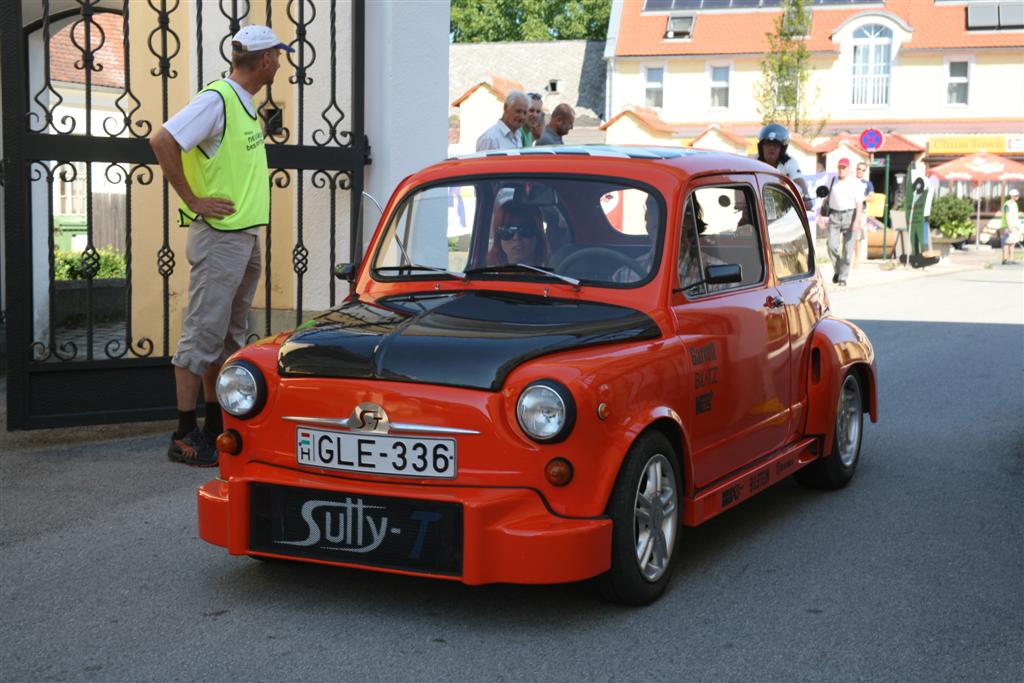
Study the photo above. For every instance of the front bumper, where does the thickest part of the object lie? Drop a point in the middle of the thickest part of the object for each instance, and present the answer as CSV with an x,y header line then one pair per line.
x,y
509,534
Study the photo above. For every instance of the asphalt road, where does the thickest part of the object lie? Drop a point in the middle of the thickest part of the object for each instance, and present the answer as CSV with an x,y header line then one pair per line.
x,y
915,572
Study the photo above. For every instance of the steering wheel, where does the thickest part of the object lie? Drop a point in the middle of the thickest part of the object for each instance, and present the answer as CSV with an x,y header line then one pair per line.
x,y
597,253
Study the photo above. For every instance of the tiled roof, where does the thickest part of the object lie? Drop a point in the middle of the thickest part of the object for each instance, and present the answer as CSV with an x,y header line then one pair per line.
x,y
499,85
107,32
649,118
726,133
934,27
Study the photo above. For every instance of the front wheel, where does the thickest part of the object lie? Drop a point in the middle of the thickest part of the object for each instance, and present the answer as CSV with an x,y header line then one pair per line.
x,y
644,507
836,471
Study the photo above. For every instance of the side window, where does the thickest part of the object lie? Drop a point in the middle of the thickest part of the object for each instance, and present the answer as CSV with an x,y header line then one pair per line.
x,y
791,250
719,227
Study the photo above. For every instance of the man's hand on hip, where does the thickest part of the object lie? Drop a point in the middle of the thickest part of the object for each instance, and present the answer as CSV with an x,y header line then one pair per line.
x,y
211,207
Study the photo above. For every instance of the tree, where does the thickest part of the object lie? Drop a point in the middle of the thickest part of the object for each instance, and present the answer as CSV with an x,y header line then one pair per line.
x,y
780,94
478,21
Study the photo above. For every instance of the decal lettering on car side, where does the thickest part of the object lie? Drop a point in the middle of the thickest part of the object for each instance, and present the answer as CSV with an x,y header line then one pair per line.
x,y
705,377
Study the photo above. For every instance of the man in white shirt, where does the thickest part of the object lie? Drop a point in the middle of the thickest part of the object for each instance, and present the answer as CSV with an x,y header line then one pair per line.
x,y
845,198
505,133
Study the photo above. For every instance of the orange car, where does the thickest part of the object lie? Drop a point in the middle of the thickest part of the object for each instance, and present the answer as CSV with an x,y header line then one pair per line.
x,y
551,360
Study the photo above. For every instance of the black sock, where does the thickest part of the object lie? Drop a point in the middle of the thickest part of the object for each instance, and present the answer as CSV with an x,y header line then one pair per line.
x,y
186,423
214,422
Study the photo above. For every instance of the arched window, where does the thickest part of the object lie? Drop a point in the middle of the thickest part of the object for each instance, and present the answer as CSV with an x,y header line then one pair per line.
x,y
872,55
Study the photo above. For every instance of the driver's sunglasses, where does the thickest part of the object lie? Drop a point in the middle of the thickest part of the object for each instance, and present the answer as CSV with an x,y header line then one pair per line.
x,y
507,232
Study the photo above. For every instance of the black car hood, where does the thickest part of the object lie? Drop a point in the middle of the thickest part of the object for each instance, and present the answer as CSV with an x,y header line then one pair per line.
x,y
463,339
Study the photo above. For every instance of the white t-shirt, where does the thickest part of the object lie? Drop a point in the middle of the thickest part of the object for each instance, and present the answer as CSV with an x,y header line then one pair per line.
x,y
845,194
201,122
790,168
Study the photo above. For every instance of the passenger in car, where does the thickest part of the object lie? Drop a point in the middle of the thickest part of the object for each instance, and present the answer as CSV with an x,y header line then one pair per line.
x,y
518,237
692,260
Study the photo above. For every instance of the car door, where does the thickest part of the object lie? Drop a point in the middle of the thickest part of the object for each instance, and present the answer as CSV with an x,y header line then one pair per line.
x,y
735,334
793,270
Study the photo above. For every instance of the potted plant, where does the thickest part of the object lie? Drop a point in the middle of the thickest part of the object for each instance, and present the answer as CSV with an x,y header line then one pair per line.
x,y
953,217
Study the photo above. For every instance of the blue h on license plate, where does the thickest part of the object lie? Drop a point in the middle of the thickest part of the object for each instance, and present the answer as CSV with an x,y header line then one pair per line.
x,y
376,453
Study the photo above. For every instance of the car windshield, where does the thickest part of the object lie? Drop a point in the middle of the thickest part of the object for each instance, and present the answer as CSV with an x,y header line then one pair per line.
x,y
593,231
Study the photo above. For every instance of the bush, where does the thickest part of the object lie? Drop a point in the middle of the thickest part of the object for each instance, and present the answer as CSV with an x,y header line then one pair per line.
x,y
953,216
67,265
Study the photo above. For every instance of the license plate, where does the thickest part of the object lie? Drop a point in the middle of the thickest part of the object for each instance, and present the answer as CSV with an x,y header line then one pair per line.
x,y
380,531
376,453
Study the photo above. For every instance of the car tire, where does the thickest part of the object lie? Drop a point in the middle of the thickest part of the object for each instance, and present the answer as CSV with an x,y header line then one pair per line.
x,y
836,470
645,510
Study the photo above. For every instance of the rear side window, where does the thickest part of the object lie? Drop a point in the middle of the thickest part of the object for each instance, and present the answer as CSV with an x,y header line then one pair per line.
x,y
791,249
719,227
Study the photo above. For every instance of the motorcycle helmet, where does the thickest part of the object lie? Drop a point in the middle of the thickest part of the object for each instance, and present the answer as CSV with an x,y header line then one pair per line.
x,y
773,132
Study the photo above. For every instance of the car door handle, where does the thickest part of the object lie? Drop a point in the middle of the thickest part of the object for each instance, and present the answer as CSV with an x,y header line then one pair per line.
x,y
774,302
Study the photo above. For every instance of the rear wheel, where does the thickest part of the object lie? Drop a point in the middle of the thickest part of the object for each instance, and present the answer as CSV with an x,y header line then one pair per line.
x,y
644,507
836,471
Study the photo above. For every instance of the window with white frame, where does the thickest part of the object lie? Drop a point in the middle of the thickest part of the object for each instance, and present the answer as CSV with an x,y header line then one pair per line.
x,y
957,80
719,87
872,57
654,82
679,27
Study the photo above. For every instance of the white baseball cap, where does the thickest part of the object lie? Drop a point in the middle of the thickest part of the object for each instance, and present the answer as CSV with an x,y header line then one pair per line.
x,y
1014,192
256,37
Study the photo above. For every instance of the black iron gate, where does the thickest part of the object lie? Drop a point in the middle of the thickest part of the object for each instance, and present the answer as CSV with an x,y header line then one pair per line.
x,y
88,366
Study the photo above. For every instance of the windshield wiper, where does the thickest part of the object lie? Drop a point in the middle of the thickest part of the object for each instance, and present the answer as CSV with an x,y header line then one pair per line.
x,y
522,266
416,266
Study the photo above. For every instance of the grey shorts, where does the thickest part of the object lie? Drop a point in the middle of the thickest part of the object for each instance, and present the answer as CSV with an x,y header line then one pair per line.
x,y
221,285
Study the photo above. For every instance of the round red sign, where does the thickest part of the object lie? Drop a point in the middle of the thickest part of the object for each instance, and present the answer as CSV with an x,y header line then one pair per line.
x,y
871,139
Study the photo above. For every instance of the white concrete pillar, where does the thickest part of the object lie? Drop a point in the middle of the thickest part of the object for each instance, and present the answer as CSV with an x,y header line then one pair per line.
x,y
406,93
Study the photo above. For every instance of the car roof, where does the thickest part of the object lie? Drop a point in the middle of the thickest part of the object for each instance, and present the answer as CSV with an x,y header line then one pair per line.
x,y
689,161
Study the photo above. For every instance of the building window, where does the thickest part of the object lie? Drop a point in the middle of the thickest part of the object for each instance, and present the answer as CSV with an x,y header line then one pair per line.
x,y
956,82
552,85
719,87
679,27
872,54
654,78
995,16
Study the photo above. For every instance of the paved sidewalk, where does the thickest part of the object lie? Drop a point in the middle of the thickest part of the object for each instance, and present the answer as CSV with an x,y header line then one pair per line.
x,y
869,273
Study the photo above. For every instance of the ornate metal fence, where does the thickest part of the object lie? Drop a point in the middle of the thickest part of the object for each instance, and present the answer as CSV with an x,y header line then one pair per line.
x,y
71,125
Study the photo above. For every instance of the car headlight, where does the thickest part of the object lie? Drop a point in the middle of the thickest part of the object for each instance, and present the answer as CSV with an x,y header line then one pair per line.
x,y
241,390
546,411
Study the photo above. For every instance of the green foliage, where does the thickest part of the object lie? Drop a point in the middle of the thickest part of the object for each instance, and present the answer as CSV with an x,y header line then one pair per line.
x,y
780,94
67,265
952,216
480,21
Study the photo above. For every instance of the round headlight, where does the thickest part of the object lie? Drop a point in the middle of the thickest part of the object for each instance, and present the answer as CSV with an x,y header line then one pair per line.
x,y
546,411
241,390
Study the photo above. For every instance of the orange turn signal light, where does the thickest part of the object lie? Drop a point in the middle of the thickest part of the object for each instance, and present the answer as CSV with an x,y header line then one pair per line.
x,y
230,442
558,471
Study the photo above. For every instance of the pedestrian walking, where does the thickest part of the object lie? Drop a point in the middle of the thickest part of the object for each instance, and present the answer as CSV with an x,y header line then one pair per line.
x,y
869,193
505,133
841,211
212,154
1009,233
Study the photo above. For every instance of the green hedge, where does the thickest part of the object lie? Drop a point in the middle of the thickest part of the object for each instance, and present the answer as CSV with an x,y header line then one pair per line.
x,y
67,265
952,216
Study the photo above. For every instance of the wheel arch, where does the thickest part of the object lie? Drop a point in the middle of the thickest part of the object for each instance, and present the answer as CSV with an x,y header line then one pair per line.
x,y
837,347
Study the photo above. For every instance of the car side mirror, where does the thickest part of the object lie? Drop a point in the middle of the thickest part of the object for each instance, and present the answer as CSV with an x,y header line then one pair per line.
x,y
724,274
822,191
346,271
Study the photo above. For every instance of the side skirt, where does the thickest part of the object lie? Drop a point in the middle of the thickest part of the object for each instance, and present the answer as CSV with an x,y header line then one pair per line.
x,y
724,494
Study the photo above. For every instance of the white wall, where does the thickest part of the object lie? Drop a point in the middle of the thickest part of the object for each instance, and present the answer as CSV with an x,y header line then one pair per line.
x,y
406,93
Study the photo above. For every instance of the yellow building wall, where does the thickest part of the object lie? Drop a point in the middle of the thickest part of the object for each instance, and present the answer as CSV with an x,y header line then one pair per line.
x,y
917,87
147,200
